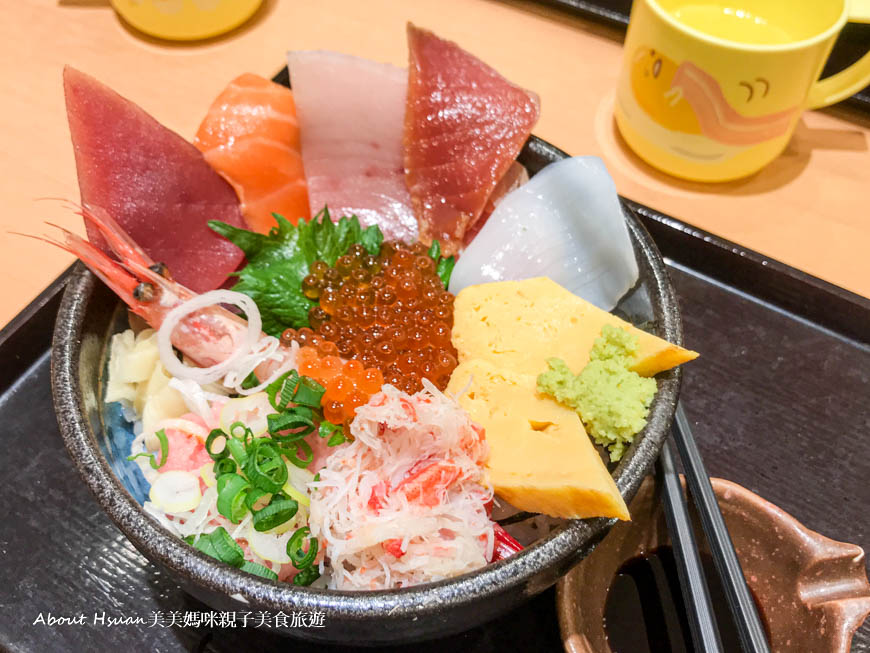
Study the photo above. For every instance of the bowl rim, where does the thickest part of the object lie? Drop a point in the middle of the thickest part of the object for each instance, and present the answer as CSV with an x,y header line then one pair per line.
x,y
560,550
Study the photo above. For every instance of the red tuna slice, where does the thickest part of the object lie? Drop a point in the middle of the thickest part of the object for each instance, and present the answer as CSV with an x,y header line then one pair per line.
x,y
515,177
464,126
350,113
154,183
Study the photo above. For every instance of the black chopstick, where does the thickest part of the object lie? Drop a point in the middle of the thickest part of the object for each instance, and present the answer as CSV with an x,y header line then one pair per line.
x,y
696,595
743,609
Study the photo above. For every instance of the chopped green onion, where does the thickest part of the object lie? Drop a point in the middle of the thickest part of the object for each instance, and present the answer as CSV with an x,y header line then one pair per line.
x,y
164,451
223,480
336,440
151,459
333,431
264,466
282,389
164,447
258,570
251,381
306,576
232,491
317,477
254,496
292,453
326,429
290,387
227,548
209,442
309,393
444,269
279,510
219,545
299,420
203,544
443,266
237,451
223,466
241,432
299,557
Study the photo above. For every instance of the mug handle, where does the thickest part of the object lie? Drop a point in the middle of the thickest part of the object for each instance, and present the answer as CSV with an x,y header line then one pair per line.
x,y
849,81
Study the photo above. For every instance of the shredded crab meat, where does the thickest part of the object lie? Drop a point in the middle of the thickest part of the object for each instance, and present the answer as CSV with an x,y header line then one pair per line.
x,y
405,502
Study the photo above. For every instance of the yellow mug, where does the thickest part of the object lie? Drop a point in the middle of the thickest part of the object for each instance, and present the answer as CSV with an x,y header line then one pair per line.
x,y
711,90
185,20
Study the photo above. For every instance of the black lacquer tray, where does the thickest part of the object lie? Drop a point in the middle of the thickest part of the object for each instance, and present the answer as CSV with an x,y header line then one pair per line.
x,y
777,401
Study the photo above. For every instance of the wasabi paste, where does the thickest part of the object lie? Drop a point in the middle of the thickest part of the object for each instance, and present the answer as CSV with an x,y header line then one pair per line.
x,y
612,401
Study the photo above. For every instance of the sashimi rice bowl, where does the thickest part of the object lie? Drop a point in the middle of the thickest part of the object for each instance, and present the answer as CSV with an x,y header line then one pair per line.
x,y
380,353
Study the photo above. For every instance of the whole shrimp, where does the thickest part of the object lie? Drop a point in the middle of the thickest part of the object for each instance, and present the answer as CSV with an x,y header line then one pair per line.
x,y
208,336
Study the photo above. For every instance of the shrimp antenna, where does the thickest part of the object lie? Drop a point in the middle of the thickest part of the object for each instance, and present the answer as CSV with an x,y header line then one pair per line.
x,y
68,203
44,239
57,226
119,240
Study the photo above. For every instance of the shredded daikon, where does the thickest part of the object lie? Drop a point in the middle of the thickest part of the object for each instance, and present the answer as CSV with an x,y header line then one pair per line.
x,y
242,525
289,362
248,352
137,447
176,318
196,397
161,517
206,510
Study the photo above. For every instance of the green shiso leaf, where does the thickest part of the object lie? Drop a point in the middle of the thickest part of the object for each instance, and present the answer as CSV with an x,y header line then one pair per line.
x,y
280,260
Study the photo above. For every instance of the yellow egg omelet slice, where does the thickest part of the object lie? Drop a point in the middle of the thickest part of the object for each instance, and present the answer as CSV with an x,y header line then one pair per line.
x,y
518,325
541,459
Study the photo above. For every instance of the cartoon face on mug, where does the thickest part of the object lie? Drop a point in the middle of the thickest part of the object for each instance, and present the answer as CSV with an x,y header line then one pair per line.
x,y
685,98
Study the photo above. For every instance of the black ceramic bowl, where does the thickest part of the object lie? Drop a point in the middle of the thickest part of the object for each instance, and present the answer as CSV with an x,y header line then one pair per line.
x,y
87,318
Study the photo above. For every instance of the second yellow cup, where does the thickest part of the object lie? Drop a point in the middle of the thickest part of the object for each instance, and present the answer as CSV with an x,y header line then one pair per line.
x,y
185,20
712,90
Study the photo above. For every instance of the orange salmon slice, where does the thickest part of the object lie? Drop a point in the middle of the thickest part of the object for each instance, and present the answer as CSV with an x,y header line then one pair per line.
x,y
250,135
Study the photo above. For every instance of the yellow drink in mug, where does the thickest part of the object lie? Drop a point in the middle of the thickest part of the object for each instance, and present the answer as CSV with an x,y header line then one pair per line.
x,y
711,90
186,20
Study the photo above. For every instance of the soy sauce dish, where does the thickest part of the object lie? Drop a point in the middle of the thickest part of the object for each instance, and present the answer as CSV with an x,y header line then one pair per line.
x,y
407,442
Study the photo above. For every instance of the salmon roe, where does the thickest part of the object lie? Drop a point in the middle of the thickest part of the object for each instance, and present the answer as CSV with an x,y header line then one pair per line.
x,y
388,312
348,384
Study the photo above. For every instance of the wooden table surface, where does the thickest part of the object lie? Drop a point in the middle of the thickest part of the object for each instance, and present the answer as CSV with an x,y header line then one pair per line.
x,y
808,209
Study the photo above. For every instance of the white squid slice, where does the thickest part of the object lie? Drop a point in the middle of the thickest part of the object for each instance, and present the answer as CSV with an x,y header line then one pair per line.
x,y
566,223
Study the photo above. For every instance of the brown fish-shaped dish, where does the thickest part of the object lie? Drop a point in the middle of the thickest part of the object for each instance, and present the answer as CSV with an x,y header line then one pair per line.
x,y
812,591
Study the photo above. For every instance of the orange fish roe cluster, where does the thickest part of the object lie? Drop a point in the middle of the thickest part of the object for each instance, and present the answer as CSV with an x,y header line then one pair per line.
x,y
388,311
348,383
